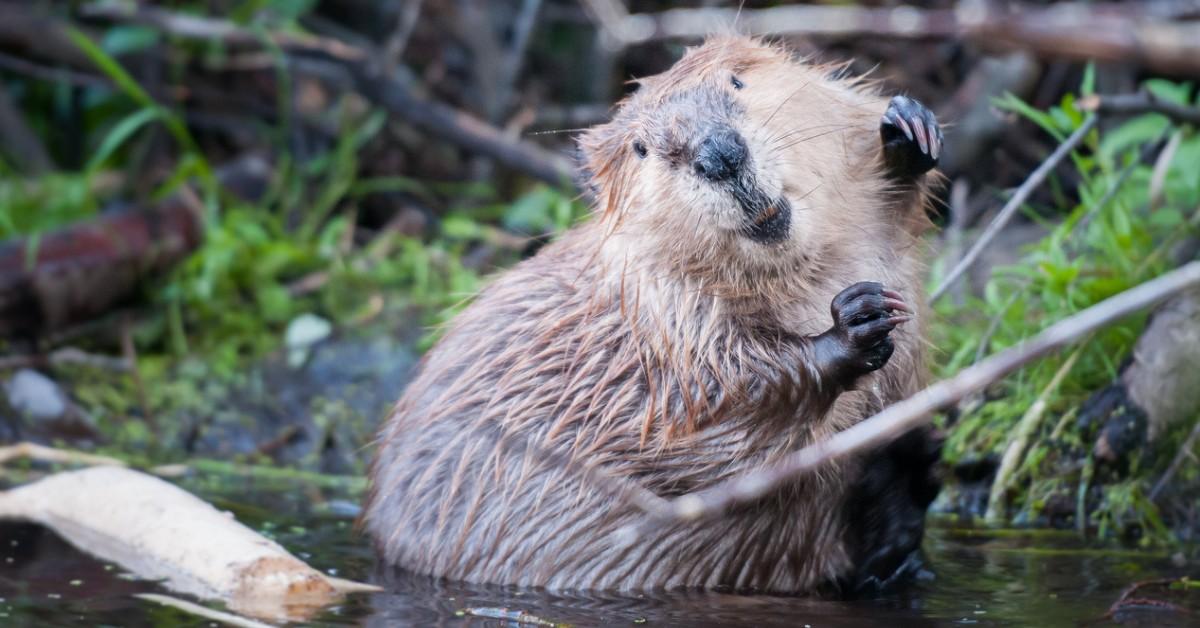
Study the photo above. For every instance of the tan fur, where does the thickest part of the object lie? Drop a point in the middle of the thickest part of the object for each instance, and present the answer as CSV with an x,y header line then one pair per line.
x,y
657,344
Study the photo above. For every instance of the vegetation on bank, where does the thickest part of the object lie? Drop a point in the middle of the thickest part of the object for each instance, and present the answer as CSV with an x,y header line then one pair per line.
x,y
301,248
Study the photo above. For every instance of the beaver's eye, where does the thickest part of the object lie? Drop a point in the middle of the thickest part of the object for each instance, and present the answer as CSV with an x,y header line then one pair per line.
x,y
736,83
639,148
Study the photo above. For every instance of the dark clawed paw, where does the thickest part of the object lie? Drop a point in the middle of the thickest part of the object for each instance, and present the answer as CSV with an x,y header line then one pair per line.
x,y
912,138
863,317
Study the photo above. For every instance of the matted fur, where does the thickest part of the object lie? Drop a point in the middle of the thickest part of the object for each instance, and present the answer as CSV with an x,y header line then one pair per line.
x,y
659,344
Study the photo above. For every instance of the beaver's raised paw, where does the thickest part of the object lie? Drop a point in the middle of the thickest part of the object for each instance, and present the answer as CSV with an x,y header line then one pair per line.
x,y
912,138
863,317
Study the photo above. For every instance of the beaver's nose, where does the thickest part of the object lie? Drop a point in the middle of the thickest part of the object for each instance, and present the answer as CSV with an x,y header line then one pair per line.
x,y
721,155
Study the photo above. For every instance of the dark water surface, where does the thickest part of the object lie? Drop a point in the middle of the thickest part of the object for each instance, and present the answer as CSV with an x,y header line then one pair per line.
x,y
975,578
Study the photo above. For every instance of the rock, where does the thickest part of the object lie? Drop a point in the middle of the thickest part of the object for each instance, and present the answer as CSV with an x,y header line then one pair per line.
x,y
36,396
302,334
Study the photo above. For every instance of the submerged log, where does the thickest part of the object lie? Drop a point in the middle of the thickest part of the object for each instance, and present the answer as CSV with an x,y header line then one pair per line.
x,y
82,271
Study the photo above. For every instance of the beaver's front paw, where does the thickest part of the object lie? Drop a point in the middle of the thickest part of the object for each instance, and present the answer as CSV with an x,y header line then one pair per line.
x,y
863,317
912,139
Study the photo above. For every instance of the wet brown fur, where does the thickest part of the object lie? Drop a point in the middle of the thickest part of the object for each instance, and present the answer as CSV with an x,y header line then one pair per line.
x,y
652,346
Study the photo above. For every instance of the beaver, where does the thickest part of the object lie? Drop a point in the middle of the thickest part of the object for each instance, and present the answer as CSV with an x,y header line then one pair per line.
x,y
746,286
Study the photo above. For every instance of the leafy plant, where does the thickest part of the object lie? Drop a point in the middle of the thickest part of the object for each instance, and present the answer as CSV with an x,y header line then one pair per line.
x,y
1115,236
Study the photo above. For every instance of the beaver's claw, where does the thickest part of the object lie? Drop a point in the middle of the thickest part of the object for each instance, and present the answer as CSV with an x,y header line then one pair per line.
x,y
859,342
912,139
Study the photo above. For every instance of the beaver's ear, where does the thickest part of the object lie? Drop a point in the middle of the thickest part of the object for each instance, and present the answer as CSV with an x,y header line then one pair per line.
x,y
603,151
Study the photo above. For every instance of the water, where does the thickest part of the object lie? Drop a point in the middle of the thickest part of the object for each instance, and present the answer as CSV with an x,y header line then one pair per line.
x,y
975,578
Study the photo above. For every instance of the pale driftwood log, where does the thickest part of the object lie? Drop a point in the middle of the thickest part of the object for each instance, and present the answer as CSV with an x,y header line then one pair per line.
x,y
158,531
917,410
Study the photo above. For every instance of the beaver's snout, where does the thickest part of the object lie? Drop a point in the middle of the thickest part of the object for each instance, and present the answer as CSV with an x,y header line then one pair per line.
x,y
721,155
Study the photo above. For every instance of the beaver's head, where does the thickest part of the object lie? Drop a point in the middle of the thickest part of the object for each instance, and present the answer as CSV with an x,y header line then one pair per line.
x,y
738,147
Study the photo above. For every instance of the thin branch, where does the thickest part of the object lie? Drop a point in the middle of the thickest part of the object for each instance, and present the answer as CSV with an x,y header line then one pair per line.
x,y
1139,103
63,357
50,74
406,22
918,409
1010,208
42,453
1185,452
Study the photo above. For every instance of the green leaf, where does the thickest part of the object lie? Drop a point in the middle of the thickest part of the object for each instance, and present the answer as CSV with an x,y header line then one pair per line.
x,y
1010,102
1087,86
119,134
1167,218
1168,90
1134,132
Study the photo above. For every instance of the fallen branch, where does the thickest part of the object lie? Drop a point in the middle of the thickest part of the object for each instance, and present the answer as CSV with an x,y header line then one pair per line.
x,y
1014,203
1141,33
918,409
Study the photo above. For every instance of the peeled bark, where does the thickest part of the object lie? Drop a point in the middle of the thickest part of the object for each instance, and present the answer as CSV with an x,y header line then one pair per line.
x,y
161,532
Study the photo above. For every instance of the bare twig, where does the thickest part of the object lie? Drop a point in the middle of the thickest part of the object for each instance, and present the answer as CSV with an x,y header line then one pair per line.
x,y
1185,452
129,353
1081,226
985,341
49,74
41,453
905,415
1014,203
65,356
393,50
510,69
1139,103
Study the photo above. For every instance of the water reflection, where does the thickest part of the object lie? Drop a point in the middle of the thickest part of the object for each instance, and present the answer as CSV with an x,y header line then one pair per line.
x,y
976,579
